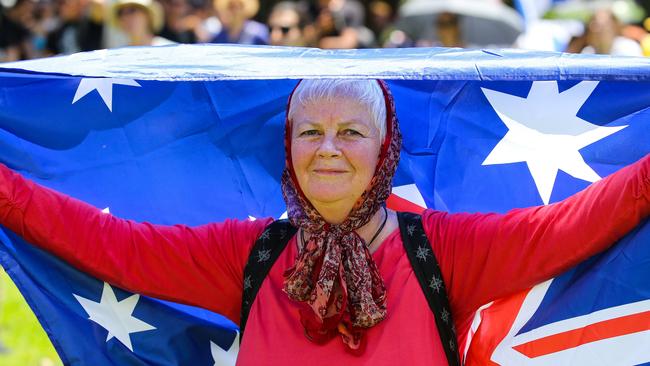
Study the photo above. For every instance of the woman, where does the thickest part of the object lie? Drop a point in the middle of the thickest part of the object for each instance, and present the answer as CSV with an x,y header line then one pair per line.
x,y
603,36
342,291
287,23
237,26
140,20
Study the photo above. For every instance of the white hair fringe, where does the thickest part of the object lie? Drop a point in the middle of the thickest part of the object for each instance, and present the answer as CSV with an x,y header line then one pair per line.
x,y
367,92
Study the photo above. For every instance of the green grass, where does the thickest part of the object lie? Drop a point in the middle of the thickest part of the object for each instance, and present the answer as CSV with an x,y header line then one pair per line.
x,y
23,340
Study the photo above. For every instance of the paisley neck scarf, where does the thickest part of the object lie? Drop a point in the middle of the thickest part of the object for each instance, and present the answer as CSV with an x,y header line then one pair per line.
x,y
334,273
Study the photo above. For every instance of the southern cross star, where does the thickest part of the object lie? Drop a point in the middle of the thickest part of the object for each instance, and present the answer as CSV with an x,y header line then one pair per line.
x,y
115,316
223,357
545,132
104,87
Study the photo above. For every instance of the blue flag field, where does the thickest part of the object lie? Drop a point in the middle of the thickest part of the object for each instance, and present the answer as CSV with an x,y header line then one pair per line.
x,y
194,133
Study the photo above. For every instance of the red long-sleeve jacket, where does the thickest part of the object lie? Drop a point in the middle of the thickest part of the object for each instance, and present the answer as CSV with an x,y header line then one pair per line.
x,y
482,257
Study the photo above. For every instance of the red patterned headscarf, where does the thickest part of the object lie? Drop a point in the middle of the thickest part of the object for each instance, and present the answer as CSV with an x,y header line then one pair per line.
x,y
334,273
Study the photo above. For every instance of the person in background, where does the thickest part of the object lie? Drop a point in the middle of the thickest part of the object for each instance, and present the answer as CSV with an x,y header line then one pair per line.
x,y
603,36
203,20
15,34
340,24
447,31
81,28
178,25
381,18
639,33
10,40
645,39
140,20
287,23
237,26
46,22
382,23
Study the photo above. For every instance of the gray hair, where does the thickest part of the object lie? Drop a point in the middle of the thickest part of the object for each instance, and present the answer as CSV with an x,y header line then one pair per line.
x,y
367,92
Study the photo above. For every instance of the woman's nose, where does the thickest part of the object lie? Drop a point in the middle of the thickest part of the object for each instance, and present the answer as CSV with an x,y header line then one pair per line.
x,y
329,146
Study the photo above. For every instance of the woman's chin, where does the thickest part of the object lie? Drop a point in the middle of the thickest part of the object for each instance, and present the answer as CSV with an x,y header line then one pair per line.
x,y
329,196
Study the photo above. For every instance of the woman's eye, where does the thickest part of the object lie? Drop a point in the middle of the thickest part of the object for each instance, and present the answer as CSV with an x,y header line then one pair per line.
x,y
309,133
351,132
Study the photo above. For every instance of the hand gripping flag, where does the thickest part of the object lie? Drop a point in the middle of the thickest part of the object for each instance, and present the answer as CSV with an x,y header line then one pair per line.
x,y
192,134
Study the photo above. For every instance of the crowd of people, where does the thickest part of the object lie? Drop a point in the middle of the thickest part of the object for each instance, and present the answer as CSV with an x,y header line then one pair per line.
x,y
40,28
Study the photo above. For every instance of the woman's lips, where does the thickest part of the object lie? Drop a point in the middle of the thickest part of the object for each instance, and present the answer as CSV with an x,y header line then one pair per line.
x,y
329,171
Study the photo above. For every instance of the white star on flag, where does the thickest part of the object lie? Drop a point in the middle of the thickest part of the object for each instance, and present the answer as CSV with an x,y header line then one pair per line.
x,y
115,316
283,216
104,87
544,132
223,357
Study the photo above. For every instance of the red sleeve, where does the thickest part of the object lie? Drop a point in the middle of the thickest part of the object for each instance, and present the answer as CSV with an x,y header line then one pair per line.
x,y
487,256
201,266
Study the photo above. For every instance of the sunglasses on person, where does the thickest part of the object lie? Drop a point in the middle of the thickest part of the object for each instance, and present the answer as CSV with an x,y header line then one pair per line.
x,y
284,29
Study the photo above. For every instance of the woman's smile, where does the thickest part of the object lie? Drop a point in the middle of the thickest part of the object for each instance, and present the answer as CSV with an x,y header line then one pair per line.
x,y
329,171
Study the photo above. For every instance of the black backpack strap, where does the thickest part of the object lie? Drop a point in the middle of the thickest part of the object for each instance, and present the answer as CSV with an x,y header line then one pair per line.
x,y
265,252
426,269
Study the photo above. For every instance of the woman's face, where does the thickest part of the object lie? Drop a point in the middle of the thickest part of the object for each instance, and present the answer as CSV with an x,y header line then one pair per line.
x,y
334,150
235,8
133,20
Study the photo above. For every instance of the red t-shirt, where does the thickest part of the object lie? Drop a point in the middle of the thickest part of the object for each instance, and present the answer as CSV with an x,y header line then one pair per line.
x,y
482,257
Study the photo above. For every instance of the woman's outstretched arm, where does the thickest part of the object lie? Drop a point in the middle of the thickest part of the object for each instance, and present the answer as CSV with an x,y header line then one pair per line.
x,y
486,256
201,266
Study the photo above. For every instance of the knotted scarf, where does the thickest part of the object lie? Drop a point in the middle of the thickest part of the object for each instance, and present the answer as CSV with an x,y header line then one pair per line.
x,y
334,273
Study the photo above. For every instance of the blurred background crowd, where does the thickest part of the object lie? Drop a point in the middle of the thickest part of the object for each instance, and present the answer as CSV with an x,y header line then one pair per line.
x,y
39,28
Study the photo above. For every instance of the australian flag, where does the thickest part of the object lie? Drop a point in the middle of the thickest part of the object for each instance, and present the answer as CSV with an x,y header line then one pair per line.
x,y
194,133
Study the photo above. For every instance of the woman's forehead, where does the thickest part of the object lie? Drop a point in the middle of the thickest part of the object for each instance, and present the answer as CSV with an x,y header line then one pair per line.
x,y
327,108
